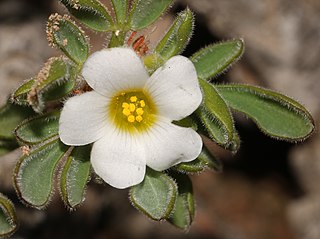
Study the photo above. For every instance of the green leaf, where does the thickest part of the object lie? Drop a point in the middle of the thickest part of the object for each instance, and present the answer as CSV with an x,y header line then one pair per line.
x,y
187,122
144,13
55,81
91,13
204,161
275,114
34,173
68,37
8,218
214,59
10,116
20,96
75,176
38,129
121,9
6,146
177,38
155,196
216,117
184,207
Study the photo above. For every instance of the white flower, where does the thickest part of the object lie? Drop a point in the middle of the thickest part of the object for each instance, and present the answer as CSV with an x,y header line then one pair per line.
x,y
128,115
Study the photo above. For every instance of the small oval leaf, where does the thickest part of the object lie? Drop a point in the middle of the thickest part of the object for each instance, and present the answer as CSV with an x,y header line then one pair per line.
x,y
10,116
204,161
144,13
8,218
275,114
91,13
216,116
155,196
68,37
34,173
75,176
177,37
184,212
38,129
214,59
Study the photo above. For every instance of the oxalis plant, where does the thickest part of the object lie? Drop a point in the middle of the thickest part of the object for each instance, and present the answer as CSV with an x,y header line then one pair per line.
x,y
132,115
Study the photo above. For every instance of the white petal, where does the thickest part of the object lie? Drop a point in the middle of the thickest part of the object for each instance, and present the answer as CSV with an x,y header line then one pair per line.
x,y
83,119
168,145
111,70
175,88
119,159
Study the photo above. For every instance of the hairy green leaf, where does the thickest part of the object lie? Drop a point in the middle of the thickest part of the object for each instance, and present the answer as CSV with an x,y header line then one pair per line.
x,y
75,176
187,122
55,81
204,161
155,196
214,59
177,37
20,96
216,117
275,114
34,173
91,13
145,12
8,218
38,129
68,37
183,214
10,116
121,10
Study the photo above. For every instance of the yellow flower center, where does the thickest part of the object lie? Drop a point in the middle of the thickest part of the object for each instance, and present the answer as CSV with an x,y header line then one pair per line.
x,y
132,110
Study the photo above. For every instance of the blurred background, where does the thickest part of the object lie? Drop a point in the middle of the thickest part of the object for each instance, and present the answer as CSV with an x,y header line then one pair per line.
x,y
268,190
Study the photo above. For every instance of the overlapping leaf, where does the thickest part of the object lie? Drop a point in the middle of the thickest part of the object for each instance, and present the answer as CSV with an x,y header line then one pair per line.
x,y
155,196
216,117
56,80
38,129
34,173
204,161
75,176
184,211
8,218
10,116
121,8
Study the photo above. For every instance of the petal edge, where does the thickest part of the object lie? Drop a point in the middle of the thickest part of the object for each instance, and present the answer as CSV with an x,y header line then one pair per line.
x,y
175,88
168,144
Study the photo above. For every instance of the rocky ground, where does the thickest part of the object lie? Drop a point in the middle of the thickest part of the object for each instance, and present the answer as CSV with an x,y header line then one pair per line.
x,y
268,190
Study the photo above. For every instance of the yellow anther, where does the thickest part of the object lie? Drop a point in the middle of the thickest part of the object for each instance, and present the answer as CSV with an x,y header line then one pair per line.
x,y
139,118
139,111
133,98
126,112
131,119
142,103
132,107
125,105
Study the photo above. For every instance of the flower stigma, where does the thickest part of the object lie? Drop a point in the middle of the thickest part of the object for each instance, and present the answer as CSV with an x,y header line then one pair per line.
x,y
132,111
